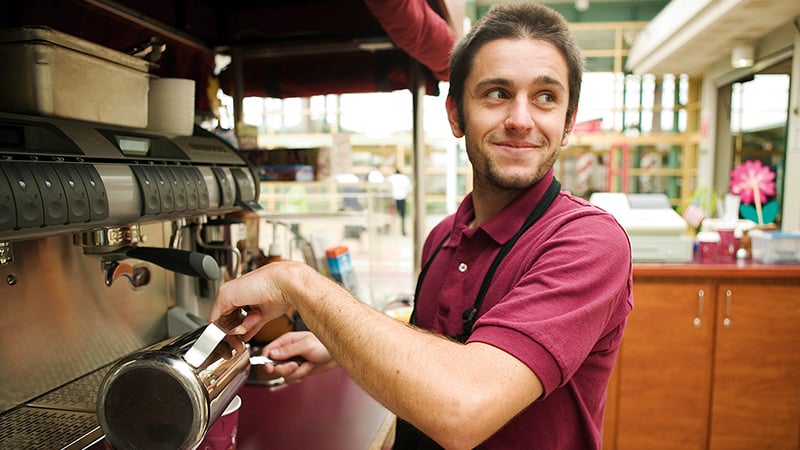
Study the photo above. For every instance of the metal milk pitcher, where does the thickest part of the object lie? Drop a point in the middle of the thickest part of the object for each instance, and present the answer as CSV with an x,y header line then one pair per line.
x,y
153,399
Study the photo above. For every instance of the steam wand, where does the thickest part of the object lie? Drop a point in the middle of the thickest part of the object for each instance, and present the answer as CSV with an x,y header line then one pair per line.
x,y
118,243
194,264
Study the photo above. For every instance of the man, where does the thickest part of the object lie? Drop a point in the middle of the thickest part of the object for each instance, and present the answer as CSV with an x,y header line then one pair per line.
x,y
401,187
530,365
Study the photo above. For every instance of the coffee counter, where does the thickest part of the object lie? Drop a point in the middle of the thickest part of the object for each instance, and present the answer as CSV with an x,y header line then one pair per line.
x,y
324,412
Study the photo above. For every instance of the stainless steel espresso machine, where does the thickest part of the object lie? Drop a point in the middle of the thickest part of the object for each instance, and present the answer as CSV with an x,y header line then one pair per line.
x,y
112,239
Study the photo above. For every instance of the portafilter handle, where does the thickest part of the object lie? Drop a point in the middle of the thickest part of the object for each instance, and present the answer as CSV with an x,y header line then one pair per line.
x,y
194,264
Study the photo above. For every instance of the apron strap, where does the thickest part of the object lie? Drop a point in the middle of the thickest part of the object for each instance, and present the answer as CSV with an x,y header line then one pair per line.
x,y
408,437
470,316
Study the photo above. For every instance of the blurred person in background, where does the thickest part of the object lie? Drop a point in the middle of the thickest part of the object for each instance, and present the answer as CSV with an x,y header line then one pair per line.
x,y
401,187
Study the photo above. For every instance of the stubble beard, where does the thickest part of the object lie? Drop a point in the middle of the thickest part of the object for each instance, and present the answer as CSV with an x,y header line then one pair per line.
x,y
490,176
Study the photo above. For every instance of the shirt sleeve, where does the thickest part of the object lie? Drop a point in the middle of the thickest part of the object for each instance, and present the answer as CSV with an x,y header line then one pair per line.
x,y
573,288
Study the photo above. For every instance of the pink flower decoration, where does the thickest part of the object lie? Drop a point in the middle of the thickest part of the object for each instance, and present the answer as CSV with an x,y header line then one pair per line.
x,y
751,179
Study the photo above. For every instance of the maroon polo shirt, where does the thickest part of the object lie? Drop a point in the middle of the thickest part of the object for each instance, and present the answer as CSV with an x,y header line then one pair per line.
x,y
558,302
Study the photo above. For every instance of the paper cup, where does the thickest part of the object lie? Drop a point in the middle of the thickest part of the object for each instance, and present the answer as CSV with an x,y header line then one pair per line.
x,y
222,435
727,243
170,108
708,245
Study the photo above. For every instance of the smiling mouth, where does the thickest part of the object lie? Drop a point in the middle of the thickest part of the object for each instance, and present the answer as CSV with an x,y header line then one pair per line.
x,y
518,146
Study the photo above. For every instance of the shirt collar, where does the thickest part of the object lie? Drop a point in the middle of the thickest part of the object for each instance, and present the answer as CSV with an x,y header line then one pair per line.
x,y
509,220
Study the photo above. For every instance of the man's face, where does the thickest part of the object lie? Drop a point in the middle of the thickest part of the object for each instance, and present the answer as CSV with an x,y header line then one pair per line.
x,y
515,105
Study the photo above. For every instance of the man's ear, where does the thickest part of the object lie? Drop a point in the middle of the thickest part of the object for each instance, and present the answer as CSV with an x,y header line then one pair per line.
x,y
568,128
452,117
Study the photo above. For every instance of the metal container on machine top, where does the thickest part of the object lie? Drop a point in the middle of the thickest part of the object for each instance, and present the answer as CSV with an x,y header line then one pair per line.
x,y
55,74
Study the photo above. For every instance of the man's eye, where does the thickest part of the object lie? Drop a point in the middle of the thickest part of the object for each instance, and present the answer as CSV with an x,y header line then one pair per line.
x,y
545,98
496,94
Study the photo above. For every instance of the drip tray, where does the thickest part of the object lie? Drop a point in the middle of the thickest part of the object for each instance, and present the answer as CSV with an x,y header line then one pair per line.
x,y
80,395
48,429
64,418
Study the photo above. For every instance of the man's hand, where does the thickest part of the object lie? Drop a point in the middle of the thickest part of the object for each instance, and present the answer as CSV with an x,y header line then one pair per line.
x,y
301,344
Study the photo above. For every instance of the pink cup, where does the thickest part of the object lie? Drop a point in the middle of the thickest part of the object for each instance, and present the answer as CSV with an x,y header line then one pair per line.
x,y
708,245
222,435
727,243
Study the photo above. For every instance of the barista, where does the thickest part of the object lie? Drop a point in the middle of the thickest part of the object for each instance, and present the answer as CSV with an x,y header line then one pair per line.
x,y
533,283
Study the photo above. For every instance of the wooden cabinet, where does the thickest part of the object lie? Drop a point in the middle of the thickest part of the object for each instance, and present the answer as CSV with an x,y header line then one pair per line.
x,y
710,360
665,367
756,390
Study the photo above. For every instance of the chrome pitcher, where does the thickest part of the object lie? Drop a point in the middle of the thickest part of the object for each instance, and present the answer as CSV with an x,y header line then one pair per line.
x,y
155,399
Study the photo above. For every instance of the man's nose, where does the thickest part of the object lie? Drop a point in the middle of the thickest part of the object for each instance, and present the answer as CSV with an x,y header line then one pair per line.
x,y
520,115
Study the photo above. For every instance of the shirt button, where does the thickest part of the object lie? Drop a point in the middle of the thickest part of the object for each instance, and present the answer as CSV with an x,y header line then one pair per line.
x,y
462,267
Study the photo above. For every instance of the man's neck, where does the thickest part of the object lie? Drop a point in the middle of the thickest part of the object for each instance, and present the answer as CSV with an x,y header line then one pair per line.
x,y
488,202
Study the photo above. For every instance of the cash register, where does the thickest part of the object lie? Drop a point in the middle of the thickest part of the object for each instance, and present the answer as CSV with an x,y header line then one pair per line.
x,y
657,233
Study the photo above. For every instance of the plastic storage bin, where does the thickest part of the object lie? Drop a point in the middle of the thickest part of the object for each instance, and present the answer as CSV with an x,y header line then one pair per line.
x,y
776,247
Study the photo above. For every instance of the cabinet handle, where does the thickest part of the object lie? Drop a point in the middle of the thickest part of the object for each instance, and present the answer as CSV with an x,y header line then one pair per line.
x,y
726,321
700,305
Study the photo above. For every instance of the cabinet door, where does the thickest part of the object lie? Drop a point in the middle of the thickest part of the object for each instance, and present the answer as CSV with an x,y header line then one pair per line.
x,y
756,396
665,367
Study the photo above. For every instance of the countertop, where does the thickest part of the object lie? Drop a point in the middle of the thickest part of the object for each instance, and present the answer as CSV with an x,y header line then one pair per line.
x,y
721,268
328,411
324,412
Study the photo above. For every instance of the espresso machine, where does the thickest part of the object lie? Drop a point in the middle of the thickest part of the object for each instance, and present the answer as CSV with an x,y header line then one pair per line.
x,y
113,239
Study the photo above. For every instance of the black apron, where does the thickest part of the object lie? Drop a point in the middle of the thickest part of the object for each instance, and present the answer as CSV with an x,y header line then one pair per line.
x,y
407,437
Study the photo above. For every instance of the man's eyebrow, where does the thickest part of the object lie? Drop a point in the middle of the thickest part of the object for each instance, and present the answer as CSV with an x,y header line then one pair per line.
x,y
545,80
550,81
492,82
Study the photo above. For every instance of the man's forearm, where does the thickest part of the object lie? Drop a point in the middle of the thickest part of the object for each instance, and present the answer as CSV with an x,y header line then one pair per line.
x,y
435,383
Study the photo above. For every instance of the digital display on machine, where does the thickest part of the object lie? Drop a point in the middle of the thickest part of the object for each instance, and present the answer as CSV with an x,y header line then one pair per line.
x,y
143,145
133,146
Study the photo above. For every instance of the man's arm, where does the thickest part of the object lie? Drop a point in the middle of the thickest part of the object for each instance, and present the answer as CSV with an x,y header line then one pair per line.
x,y
457,394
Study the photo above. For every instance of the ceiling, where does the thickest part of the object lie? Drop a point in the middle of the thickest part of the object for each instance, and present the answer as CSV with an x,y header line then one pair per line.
x,y
690,35
311,47
281,48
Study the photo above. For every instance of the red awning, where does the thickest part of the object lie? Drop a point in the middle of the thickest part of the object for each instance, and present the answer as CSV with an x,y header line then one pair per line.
x,y
416,28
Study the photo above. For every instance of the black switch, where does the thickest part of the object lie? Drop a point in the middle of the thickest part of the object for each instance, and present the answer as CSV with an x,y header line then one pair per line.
x,y
203,197
8,211
164,190
245,189
54,200
246,193
75,192
178,188
95,190
186,178
27,198
151,203
226,189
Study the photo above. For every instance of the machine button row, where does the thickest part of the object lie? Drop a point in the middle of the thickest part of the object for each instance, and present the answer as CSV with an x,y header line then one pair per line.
x,y
171,189
41,194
